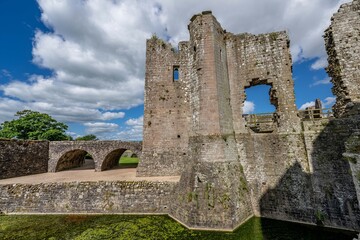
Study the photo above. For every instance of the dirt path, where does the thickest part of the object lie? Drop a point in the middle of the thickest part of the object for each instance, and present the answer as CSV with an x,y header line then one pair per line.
x,y
82,175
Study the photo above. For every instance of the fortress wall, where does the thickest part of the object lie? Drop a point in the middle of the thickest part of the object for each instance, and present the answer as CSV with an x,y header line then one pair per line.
x,y
87,197
343,49
277,172
304,177
20,158
215,189
166,111
262,59
335,196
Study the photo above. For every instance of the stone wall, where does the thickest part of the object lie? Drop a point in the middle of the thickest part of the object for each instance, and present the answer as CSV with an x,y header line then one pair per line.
x,y
262,59
20,158
166,113
190,124
335,197
343,48
87,197
303,177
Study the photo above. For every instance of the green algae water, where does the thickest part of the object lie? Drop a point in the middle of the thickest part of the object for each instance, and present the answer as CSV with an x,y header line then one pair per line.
x,y
81,227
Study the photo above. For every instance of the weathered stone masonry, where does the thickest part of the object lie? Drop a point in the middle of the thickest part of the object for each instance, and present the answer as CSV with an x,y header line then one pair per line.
x,y
343,48
19,158
228,172
302,170
87,197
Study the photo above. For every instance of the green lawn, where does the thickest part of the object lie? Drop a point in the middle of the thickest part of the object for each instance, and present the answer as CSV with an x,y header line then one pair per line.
x,y
128,161
132,227
81,227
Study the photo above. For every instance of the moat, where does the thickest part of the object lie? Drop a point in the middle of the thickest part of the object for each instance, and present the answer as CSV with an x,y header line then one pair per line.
x,y
151,227
203,162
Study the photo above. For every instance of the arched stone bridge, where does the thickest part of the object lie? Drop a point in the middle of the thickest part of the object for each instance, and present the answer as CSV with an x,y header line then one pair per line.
x,y
68,154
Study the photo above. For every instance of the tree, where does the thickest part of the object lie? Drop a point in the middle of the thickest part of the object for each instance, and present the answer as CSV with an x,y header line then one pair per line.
x,y
90,137
35,126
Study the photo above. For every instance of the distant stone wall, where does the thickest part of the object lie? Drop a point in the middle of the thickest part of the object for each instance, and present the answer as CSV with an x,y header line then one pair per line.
x,y
87,197
20,158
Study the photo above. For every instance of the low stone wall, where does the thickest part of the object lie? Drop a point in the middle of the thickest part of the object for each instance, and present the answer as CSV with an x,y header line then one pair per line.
x,y
87,197
20,158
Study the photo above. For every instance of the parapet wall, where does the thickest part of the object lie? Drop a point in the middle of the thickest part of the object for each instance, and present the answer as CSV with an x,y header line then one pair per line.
x,y
20,158
87,197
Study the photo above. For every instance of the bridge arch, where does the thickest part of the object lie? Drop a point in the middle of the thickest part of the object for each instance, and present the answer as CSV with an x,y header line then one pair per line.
x,y
65,154
112,159
72,159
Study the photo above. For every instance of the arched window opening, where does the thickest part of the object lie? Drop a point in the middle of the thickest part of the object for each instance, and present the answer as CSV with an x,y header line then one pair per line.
x,y
259,108
176,73
120,158
75,160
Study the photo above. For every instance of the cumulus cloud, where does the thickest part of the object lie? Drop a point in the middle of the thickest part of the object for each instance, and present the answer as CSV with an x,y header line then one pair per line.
x,y
96,48
326,103
100,127
248,107
133,131
319,63
321,82
306,105
329,101
74,135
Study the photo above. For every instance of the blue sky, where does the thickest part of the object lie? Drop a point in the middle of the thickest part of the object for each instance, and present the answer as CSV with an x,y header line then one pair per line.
x,y
83,62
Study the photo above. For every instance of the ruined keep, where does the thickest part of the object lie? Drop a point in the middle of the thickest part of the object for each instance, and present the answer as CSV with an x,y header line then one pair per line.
x,y
302,167
212,71
194,127
342,45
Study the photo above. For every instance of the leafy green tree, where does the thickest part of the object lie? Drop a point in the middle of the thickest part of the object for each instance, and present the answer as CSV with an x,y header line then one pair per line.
x,y
90,137
35,126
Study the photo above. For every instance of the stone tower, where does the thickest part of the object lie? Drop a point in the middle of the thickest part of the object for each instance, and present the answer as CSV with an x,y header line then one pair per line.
x,y
342,46
194,124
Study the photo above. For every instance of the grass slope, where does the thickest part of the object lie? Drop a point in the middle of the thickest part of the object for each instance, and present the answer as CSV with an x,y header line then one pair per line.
x,y
81,227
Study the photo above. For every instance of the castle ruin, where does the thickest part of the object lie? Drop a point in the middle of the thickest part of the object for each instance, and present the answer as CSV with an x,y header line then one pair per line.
x,y
292,168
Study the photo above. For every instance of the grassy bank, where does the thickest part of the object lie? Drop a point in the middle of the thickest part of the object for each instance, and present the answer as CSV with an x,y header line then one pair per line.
x,y
81,227
128,162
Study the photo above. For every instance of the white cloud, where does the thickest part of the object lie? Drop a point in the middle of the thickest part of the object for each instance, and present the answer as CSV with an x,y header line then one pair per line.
x,y
74,135
321,82
112,115
306,105
134,130
100,127
135,121
9,107
329,101
319,63
248,107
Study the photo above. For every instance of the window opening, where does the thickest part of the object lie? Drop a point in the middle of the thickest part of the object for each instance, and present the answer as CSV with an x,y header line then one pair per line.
x,y
258,109
176,73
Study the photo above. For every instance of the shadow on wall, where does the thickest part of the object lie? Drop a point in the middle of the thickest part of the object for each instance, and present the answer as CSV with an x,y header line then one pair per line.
x,y
326,195
72,159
